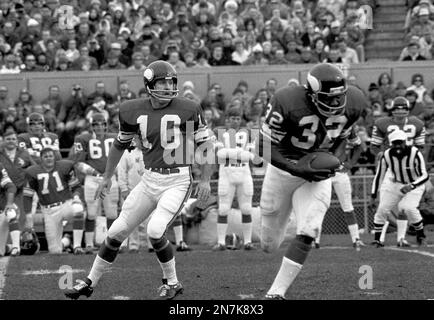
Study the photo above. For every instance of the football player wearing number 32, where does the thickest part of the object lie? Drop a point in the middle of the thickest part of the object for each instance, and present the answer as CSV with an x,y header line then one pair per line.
x,y
164,122
299,121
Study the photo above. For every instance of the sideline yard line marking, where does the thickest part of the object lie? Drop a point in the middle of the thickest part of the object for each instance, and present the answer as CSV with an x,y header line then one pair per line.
x,y
3,266
424,253
45,271
121,298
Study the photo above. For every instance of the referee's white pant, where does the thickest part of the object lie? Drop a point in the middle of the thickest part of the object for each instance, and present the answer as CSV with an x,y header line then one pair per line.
x,y
391,195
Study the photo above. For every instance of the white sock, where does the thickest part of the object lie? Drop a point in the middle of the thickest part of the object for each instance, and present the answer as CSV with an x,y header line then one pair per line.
x,y
221,232
169,271
88,238
247,232
287,273
15,237
98,268
354,232
318,238
77,235
401,229
124,243
178,234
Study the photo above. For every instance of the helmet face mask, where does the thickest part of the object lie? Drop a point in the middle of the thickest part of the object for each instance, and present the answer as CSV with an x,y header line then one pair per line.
x,y
36,123
99,124
29,242
161,81
400,107
328,89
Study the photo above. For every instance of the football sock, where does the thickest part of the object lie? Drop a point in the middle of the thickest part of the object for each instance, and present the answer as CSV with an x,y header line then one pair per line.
x,y
353,228
169,271
177,230
299,248
378,227
89,232
318,238
418,226
287,273
401,229
222,227
162,248
246,221
77,235
98,268
110,222
15,237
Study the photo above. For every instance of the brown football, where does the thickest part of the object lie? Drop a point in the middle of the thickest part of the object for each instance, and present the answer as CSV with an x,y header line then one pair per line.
x,y
325,160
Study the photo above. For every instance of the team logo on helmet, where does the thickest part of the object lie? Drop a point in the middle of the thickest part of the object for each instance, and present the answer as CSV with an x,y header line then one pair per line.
x,y
148,74
29,242
400,107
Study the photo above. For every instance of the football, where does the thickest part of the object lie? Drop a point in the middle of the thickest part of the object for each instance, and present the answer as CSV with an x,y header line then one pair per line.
x,y
325,160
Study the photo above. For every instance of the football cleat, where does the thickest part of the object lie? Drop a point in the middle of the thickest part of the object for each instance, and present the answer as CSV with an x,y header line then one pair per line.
x,y
168,292
15,252
78,250
315,245
377,244
183,247
249,246
89,250
358,244
82,288
403,243
219,247
150,249
274,297
421,242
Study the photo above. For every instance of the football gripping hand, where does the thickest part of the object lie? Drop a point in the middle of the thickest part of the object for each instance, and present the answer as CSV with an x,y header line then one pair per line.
x,y
304,170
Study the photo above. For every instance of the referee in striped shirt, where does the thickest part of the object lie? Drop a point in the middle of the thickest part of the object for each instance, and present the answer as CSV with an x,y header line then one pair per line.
x,y
405,189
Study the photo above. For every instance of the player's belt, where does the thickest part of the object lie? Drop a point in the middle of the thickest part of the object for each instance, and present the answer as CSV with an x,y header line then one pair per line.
x,y
236,164
164,170
52,205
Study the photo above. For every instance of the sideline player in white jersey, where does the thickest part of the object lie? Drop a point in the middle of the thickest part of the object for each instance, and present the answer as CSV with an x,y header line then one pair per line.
x,y
415,131
405,189
341,184
300,121
90,153
234,151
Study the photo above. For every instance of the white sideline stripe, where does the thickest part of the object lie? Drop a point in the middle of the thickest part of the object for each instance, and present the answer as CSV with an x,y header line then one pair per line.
x,y
3,266
424,253
45,271
121,298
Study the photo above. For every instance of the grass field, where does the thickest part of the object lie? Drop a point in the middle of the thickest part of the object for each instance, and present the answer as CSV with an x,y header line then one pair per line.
x,y
331,272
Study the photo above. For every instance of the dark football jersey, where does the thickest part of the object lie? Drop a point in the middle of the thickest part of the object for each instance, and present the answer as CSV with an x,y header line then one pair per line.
x,y
295,127
35,144
53,186
92,150
5,181
163,132
413,127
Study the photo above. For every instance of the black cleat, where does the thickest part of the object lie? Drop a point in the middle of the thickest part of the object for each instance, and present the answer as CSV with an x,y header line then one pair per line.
x,y
402,243
358,244
377,244
249,246
183,247
421,242
168,292
82,288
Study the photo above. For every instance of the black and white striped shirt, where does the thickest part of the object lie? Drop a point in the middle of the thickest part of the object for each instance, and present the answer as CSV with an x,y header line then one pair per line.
x,y
407,169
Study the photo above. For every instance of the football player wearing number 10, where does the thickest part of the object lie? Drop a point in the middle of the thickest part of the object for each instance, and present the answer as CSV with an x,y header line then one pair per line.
x,y
299,121
164,123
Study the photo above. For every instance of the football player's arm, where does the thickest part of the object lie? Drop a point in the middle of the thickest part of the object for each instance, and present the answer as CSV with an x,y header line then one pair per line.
x,y
379,175
376,140
419,139
123,174
9,187
75,185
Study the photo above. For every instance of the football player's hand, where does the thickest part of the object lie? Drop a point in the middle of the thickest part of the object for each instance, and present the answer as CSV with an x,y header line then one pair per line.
x,y
407,188
304,170
76,200
203,190
11,206
103,188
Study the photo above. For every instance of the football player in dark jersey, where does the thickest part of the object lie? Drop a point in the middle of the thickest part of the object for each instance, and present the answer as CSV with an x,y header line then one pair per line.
x,y
90,153
58,191
399,119
299,121
164,123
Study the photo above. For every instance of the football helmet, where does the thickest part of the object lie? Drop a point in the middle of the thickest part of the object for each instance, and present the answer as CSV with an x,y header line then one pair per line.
x,y
158,70
29,242
400,107
36,123
327,88
98,123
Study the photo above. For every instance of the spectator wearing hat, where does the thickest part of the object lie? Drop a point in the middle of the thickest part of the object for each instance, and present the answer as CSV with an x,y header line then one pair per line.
x,y
333,36
123,51
374,96
424,18
137,65
113,62
256,57
11,66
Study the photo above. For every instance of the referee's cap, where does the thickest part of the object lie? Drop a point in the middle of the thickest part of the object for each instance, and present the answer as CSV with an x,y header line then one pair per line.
x,y
397,135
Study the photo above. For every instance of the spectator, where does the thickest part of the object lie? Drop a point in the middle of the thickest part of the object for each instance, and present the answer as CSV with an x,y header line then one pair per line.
x,y
100,91
202,59
5,102
400,89
148,57
279,57
189,59
9,34
54,100
96,51
122,51
11,66
271,87
333,36
320,50
113,62
374,97
348,55
385,85
293,54
124,94
256,57
307,56
24,104
63,64
417,85
72,52
309,35
334,55
84,62
137,62
30,64
413,49
416,108
293,83
175,61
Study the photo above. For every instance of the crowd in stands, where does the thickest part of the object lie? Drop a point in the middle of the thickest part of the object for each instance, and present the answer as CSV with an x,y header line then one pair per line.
x,y
419,28
46,35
